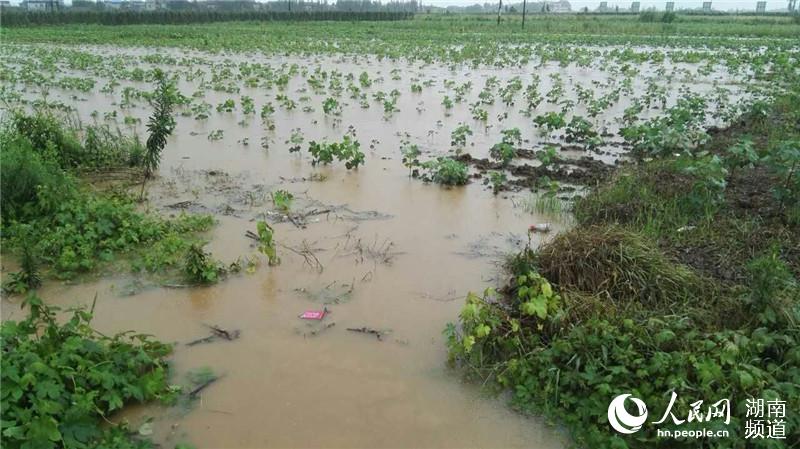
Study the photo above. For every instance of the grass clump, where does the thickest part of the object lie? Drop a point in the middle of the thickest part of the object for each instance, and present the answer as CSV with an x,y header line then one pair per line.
x,y
61,382
617,265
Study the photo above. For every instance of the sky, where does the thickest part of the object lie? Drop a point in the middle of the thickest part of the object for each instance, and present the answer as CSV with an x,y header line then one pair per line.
x,y
577,4
592,4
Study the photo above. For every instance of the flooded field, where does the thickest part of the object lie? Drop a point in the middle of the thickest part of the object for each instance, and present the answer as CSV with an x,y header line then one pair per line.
x,y
389,257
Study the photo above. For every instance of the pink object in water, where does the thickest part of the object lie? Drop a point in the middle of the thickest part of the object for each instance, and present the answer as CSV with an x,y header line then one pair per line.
x,y
313,315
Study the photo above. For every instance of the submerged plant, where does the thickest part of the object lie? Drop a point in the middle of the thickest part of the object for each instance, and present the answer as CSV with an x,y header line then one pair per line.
x,y
347,150
282,200
446,171
200,266
497,179
411,155
458,138
266,242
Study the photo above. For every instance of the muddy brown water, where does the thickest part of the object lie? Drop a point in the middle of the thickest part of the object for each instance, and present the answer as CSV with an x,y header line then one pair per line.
x,y
282,386
397,256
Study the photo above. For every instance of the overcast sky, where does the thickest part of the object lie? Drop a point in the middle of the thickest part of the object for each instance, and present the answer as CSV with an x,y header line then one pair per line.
x,y
577,4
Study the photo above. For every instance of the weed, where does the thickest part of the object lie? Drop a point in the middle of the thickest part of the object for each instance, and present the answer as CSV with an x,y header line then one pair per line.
x,y
159,126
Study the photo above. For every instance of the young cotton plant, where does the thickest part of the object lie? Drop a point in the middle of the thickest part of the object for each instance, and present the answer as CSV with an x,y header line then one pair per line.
x,y
348,150
786,162
505,151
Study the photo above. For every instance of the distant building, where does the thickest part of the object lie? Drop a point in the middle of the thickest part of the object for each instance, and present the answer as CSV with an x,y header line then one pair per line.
x,y
707,6
228,5
559,6
134,5
43,5
551,6
113,4
603,7
761,7
670,6
635,6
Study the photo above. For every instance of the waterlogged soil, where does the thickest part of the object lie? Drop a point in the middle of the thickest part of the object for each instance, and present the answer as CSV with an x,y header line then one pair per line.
x,y
378,250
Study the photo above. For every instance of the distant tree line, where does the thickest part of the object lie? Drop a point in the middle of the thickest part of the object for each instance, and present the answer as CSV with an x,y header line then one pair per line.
x,y
16,18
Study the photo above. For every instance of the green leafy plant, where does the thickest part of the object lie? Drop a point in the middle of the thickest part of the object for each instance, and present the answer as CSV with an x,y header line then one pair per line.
x,y
200,267
61,382
159,126
709,174
248,105
497,180
266,242
446,171
28,276
217,134
786,162
347,150
227,106
580,130
411,155
331,106
548,156
282,200
550,121
458,138
742,154
503,152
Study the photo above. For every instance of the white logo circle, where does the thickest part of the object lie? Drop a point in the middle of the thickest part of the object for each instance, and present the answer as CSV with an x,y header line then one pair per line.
x,y
621,420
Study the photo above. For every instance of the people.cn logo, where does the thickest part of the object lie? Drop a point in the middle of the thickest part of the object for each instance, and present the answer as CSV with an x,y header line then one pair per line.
x,y
621,420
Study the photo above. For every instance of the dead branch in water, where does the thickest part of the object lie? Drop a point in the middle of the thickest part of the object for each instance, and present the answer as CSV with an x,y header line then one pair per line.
x,y
208,339
307,254
203,386
222,333
367,330
376,252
